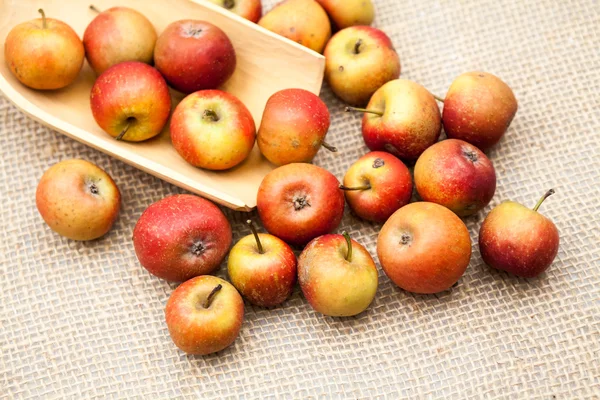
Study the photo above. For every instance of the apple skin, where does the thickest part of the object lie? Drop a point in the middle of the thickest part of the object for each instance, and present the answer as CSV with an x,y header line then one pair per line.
x,y
424,248
134,95
265,279
390,186
478,109
44,58
293,127
198,330
518,240
303,21
353,77
333,285
78,200
457,175
181,236
411,120
346,13
208,143
194,55
116,35
298,202
249,9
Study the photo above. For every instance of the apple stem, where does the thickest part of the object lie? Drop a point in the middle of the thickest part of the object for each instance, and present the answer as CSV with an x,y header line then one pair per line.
x,y
123,132
261,250
228,4
349,243
211,295
365,187
363,110
357,46
329,147
438,98
544,197
210,114
44,22
94,8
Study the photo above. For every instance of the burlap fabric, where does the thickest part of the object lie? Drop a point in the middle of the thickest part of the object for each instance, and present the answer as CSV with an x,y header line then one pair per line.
x,y
84,320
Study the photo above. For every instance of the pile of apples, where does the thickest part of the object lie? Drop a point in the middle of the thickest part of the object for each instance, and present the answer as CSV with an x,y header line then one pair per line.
x,y
423,247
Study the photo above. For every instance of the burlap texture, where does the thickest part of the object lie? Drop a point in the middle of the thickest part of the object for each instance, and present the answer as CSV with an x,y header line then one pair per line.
x,y
84,320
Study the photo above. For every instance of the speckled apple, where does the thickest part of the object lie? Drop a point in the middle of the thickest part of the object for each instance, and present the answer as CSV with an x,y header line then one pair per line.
x,y
345,13
249,9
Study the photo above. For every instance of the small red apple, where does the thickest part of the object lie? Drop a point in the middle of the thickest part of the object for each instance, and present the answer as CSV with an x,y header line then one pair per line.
x,y
204,315
457,175
249,9
298,202
181,236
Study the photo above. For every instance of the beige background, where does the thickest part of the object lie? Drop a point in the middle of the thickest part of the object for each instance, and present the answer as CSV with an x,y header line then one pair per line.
x,y
84,320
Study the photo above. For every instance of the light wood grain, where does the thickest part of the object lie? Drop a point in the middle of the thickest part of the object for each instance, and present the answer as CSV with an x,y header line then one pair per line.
x,y
266,63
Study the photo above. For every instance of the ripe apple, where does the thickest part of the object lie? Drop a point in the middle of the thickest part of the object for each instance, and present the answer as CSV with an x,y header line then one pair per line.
x,y
78,200
204,315
377,185
130,101
293,127
298,202
424,248
181,236
263,268
457,175
478,109
44,53
116,35
402,118
212,129
519,240
194,55
345,13
249,9
303,21
358,61
337,275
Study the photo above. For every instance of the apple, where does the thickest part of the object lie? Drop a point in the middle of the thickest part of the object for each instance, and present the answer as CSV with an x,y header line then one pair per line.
x,y
293,127
78,200
204,315
181,236
298,202
457,175
263,268
358,61
249,9
116,35
346,13
402,118
424,248
478,109
519,240
303,21
337,275
194,55
377,185
44,53
212,129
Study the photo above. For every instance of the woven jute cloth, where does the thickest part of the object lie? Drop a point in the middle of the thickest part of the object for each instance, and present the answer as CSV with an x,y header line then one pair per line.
x,y
85,320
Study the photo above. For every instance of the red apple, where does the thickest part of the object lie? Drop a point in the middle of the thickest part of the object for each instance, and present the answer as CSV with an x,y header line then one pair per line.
x,y
456,175
249,9
478,109
337,275
358,61
424,248
377,185
116,35
78,200
212,129
44,53
263,268
402,118
298,202
131,101
204,315
519,240
194,55
293,127
345,13
181,236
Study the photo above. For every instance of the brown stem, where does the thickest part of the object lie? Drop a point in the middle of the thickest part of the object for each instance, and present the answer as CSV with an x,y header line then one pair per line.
x,y
329,147
349,243
438,98
44,22
544,197
210,114
255,233
357,46
123,132
363,110
365,187
211,295
94,8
